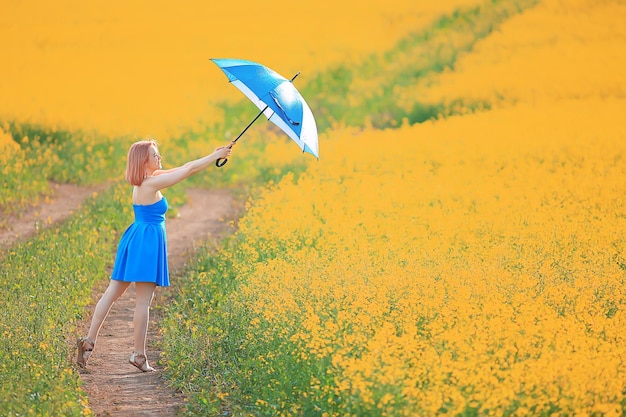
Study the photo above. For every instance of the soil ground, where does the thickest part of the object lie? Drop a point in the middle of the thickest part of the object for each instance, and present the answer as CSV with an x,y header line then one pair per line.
x,y
65,198
113,385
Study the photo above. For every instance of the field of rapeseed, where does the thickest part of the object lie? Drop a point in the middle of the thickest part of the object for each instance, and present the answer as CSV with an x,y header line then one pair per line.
x,y
142,68
571,53
484,277
472,264
79,82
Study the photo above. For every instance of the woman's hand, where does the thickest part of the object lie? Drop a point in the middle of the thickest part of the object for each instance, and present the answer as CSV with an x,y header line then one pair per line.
x,y
223,152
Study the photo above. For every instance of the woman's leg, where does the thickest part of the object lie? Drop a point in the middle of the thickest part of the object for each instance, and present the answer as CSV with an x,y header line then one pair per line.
x,y
145,293
112,293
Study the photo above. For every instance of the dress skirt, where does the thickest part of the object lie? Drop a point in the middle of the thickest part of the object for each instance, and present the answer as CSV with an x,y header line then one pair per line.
x,y
142,251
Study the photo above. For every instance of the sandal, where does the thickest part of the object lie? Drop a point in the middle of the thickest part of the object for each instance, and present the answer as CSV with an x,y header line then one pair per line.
x,y
140,361
85,347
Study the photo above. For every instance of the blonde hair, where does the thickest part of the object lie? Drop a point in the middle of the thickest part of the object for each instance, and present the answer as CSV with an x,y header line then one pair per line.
x,y
138,156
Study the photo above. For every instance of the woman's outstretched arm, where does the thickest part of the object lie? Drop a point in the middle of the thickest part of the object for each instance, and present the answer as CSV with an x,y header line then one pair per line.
x,y
166,178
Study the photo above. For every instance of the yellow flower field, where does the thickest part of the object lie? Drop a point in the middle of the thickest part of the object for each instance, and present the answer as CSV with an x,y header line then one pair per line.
x,y
470,265
454,265
142,67
573,51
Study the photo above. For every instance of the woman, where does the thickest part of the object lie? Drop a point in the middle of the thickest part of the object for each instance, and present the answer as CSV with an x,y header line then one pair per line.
x,y
142,252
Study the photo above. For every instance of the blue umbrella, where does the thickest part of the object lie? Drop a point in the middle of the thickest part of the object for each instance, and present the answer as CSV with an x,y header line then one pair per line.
x,y
277,98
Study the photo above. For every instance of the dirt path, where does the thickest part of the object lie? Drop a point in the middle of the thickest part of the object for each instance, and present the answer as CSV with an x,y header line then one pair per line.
x,y
114,387
64,199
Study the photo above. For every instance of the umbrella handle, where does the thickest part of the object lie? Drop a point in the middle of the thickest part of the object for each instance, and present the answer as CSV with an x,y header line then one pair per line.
x,y
222,161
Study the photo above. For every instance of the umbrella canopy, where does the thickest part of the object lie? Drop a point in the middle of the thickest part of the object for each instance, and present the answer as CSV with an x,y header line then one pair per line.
x,y
276,97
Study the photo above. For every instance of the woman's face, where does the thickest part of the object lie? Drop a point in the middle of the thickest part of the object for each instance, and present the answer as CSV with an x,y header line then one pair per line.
x,y
154,159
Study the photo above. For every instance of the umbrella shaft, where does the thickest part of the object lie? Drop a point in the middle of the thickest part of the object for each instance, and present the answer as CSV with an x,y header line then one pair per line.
x,y
250,124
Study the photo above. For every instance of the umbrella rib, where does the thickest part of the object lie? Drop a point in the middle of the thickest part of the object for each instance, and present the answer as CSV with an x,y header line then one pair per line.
x,y
283,110
261,112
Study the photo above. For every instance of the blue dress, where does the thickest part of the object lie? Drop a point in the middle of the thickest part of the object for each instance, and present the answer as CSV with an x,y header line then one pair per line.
x,y
142,251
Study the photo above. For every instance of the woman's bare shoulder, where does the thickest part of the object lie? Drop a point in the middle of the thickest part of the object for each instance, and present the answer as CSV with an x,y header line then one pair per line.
x,y
145,194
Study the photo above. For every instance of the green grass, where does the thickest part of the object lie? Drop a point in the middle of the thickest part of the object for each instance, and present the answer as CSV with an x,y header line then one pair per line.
x,y
45,283
83,158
